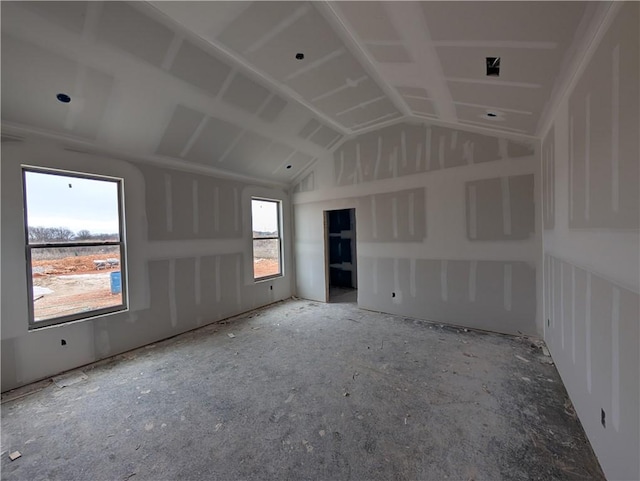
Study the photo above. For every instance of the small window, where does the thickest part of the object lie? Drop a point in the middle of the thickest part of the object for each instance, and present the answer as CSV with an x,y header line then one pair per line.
x,y
267,240
74,245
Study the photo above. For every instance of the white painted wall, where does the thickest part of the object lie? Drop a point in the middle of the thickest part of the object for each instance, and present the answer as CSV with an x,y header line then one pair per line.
x,y
592,280
446,239
31,355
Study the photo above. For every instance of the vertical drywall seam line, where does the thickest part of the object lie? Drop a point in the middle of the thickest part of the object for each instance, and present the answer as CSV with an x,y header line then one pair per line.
x,y
216,208
508,274
412,277
341,169
196,210
168,196
375,276
473,271
571,133
218,286
587,319
236,210
573,314
358,177
374,218
378,159
443,280
411,214
587,160
418,157
173,311
473,219
394,216
197,286
403,147
396,281
506,206
615,358
615,130
562,305
454,140
238,282
441,151
427,149
393,162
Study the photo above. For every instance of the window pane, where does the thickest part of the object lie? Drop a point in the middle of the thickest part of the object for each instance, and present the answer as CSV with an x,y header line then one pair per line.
x,y
71,280
266,257
62,208
264,215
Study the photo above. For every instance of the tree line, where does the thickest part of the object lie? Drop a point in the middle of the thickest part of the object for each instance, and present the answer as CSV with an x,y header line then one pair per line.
x,y
64,234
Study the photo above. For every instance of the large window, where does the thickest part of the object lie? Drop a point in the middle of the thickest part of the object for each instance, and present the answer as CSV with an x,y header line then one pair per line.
x,y
267,240
74,246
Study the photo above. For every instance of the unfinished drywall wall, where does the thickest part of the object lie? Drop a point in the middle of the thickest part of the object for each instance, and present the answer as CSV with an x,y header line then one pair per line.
x,y
189,257
592,246
416,252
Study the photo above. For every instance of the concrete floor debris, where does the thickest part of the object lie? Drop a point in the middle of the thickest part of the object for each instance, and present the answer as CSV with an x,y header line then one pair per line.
x,y
310,395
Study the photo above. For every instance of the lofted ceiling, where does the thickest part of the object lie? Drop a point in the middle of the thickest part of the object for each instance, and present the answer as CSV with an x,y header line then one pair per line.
x,y
217,85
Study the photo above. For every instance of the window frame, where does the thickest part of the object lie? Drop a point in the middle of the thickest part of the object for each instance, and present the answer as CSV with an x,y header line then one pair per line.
x,y
280,273
85,315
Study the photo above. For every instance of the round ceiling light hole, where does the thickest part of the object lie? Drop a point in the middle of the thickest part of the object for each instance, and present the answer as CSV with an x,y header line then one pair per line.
x,y
288,166
491,114
64,98
299,56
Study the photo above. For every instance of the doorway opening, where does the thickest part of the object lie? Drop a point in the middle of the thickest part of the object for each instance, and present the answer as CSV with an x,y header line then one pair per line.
x,y
340,242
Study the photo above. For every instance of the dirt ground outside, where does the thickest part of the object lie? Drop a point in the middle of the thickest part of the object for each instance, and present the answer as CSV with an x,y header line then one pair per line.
x,y
70,285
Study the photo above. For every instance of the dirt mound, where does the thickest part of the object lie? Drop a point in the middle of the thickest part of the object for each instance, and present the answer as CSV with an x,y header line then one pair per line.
x,y
69,265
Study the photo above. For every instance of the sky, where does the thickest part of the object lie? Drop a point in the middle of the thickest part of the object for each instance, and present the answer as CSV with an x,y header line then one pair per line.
x,y
72,202
264,215
88,204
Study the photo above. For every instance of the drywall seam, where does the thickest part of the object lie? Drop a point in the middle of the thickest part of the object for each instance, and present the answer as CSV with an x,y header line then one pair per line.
x,y
196,214
216,209
168,202
412,277
562,328
197,281
573,314
443,280
571,135
587,160
410,214
173,313
506,206
473,270
615,358
473,214
588,331
508,274
218,280
615,130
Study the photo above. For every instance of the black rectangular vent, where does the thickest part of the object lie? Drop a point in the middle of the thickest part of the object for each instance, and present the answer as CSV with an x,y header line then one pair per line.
x,y
493,66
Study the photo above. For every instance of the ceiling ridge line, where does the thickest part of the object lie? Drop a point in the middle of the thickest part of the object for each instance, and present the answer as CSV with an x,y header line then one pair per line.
x,y
329,12
238,63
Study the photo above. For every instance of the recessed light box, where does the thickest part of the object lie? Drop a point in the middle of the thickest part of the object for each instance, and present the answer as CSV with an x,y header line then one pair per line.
x,y
493,66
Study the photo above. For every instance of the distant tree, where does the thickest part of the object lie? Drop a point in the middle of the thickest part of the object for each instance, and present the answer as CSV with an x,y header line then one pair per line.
x,y
84,235
50,234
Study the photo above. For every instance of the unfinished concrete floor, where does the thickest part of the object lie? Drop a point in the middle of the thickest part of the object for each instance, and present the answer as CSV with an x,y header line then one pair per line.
x,y
306,391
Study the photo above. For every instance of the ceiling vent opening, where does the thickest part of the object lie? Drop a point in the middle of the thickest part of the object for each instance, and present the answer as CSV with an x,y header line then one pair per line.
x,y
493,66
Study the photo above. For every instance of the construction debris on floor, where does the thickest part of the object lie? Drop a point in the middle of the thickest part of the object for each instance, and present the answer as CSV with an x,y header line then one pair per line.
x,y
305,391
